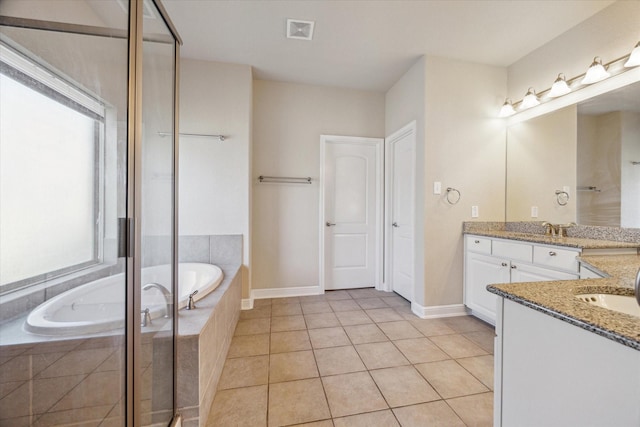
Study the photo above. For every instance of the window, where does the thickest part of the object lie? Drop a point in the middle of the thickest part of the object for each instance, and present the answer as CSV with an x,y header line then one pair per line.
x,y
50,172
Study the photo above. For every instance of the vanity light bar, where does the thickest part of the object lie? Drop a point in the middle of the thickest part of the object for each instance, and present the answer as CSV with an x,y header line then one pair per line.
x,y
596,72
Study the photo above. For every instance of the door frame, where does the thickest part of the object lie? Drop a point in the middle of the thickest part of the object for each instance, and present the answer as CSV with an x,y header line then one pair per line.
x,y
407,129
379,255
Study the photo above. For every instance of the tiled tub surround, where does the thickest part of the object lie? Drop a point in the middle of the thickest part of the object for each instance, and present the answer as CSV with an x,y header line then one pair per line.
x,y
70,380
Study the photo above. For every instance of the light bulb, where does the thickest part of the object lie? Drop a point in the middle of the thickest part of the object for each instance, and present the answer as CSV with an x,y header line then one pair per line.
x,y
634,57
595,73
507,109
560,87
530,99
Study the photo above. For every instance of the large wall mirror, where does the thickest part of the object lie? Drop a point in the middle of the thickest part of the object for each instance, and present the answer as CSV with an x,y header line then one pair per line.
x,y
578,164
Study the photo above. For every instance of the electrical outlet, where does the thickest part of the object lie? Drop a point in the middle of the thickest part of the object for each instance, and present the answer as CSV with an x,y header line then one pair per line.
x,y
534,212
474,212
437,187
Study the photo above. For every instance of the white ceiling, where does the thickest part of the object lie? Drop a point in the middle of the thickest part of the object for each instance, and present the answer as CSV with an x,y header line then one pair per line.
x,y
366,44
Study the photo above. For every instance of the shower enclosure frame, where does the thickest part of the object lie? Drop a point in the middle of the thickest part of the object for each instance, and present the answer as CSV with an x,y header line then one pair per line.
x,y
133,233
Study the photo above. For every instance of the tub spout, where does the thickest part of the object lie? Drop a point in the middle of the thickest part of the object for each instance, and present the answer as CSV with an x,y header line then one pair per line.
x,y
168,300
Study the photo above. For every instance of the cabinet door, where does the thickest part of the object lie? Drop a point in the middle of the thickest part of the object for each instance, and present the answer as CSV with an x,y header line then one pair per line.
x,y
529,273
482,270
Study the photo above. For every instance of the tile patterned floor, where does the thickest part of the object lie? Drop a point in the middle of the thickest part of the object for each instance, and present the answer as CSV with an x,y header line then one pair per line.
x,y
354,358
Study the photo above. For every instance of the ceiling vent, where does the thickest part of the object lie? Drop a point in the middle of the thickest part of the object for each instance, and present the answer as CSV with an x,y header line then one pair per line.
x,y
301,30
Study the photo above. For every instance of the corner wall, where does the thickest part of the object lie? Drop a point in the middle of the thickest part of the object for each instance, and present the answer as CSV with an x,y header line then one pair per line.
x,y
288,120
215,192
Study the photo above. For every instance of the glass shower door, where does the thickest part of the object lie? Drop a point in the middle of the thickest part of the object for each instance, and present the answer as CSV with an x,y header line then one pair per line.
x,y
157,219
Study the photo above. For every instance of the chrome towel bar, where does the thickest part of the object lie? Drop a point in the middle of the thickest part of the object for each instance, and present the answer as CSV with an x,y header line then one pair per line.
x,y
285,179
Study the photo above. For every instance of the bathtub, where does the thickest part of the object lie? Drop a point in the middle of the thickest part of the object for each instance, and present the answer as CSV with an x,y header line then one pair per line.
x,y
99,306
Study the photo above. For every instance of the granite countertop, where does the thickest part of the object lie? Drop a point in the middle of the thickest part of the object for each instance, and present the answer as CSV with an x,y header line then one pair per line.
x,y
557,298
573,242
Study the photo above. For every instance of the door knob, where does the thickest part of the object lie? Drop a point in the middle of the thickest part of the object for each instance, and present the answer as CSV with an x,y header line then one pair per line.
x,y
329,224
395,224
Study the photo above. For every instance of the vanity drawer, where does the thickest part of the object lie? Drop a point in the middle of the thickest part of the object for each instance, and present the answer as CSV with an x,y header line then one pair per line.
x,y
479,244
555,257
513,251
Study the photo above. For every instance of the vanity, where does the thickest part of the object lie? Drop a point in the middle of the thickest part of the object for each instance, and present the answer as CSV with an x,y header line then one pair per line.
x,y
559,359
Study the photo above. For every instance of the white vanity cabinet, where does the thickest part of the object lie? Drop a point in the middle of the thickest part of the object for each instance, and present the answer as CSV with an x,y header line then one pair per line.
x,y
492,260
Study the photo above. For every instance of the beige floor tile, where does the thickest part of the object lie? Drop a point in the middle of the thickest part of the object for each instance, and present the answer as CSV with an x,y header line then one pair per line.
x,y
282,342
432,414
256,313
405,312
354,393
396,301
361,334
403,385
287,300
261,302
370,419
480,367
253,326
369,303
457,346
380,355
291,366
338,360
312,298
336,295
245,406
244,371
483,339
450,379
344,305
287,323
476,410
290,309
432,327
399,330
328,337
324,423
249,345
321,320
420,350
383,315
316,307
462,324
356,317
363,293
297,402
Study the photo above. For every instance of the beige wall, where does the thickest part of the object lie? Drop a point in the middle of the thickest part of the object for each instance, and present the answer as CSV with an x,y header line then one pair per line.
x,y
404,103
611,33
287,124
541,158
215,190
630,173
464,149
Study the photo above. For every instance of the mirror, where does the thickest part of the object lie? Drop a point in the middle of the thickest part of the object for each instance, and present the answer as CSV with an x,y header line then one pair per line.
x,y
578,164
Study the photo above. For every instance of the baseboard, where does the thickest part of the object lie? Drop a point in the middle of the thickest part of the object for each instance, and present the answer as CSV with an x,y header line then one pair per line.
x,y
435,311
247,304
298,291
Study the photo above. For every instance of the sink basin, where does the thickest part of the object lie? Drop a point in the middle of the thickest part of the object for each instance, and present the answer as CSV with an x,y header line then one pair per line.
x,y
622,303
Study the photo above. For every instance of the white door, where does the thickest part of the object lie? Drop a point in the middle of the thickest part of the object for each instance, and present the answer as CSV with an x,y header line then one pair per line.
x,y
351,212
400,210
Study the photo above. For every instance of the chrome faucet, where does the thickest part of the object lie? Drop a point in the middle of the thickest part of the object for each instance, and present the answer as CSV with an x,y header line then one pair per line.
x,y
190,304
168,300
146,318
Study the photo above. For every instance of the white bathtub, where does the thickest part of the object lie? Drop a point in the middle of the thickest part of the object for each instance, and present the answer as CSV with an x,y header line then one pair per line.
x,y
99,306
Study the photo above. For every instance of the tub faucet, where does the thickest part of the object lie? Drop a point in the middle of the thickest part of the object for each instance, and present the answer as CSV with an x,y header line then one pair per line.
x,y
146,318
168,300
190,304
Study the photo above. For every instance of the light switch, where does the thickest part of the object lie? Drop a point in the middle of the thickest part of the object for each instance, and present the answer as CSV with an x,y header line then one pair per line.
x,y
474,212
437,187
534,212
